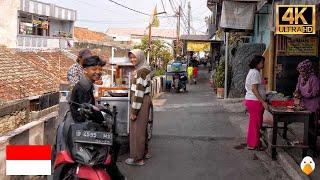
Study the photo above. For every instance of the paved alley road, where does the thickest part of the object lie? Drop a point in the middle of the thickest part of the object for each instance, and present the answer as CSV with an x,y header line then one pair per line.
x,y
194,140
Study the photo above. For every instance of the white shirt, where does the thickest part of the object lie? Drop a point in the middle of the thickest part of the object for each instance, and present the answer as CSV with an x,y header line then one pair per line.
x,y
254,77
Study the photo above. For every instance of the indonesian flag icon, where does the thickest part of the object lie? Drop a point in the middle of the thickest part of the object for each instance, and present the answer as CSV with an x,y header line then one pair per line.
x,y
28,160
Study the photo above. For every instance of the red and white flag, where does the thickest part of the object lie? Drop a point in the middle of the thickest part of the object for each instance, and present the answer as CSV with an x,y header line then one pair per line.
x,y
28,160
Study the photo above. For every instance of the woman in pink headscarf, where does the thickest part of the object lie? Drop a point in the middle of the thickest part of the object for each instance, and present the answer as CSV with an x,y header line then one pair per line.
x,y
308,91
308,87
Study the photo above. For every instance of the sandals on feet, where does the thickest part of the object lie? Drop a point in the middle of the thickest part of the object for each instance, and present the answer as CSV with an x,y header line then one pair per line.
x,y
132,162
259,148
147,156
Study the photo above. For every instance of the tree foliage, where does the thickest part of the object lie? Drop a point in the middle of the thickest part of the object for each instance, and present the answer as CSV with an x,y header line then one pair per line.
x,y
219,75
159,51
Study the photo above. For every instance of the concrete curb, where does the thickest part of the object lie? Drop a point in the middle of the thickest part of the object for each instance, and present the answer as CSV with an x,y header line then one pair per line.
x,y
292,168
280,172
284,160
234,106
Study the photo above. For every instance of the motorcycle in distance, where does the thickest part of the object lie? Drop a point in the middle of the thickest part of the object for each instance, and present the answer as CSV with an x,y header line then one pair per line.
x,y
89,151
180,82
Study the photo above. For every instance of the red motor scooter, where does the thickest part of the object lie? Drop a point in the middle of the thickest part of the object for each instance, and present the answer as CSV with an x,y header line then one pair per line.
x,y
88,146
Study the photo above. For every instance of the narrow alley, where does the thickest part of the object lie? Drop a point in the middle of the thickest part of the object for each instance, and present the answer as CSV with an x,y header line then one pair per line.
x,y
194,139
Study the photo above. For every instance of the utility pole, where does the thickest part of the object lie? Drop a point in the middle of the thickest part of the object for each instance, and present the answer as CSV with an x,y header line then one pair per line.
x,y
189,17
178,30
226,66
149,43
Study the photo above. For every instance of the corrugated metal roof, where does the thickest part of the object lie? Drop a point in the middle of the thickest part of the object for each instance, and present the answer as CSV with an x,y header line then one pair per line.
x,y
195,37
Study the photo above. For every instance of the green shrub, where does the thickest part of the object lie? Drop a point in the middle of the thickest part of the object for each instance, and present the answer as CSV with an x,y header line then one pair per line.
x,y
219,75
159,72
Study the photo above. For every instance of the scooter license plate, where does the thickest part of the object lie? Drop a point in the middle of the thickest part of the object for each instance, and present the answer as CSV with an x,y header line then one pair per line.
x,y
93,137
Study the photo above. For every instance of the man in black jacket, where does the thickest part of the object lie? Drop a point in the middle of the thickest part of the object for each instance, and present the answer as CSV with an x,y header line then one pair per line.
x,y
83,90
83,93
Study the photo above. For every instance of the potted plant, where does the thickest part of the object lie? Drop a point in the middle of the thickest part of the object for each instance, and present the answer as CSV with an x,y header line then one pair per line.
x,y
219,80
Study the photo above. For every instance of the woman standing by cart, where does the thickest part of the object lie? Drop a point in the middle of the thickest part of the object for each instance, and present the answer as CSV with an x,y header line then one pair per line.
x,y
308,92
255,102
140,105
307,89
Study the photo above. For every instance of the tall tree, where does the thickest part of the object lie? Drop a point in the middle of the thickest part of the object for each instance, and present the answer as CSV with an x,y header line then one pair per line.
x,y
160,52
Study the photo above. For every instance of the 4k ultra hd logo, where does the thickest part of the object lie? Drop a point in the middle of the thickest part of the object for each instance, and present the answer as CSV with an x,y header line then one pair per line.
x,y
295,19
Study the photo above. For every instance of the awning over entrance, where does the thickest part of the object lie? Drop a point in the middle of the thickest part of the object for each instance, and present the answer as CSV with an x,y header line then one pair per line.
x,y
198,42
195,37
198,46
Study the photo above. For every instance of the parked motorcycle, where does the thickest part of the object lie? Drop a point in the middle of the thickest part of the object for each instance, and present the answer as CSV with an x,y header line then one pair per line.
x,y
90,151
180,82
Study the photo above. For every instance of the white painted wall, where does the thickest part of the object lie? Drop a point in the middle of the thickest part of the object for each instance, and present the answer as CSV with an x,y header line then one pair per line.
x,y
120,37
53,43
38,42
9,22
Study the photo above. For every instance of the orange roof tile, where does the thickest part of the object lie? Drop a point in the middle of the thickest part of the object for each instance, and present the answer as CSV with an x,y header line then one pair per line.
x,y
19,79
55,64
86,34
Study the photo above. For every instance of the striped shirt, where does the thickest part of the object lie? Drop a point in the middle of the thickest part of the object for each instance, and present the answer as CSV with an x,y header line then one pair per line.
x,y
141,85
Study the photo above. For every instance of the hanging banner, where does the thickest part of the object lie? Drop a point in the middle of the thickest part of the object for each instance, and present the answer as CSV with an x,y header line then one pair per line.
x,y
305,46
237,15
198,46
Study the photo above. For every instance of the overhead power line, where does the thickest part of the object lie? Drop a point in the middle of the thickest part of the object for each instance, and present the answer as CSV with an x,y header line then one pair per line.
x,y
129,8
174,9
164,9
109,21
95,6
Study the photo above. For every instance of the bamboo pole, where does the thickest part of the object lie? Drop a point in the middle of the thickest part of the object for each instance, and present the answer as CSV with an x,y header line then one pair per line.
x,y
271,61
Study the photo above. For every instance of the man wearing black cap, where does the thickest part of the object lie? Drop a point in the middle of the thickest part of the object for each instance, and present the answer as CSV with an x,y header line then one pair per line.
x,y
83,90
83,93
76,70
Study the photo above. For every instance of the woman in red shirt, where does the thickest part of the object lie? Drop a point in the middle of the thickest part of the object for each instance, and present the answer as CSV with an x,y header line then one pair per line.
x,y
195,74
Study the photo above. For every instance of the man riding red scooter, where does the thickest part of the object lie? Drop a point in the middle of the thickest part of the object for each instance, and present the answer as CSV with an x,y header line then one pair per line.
x,y
85,144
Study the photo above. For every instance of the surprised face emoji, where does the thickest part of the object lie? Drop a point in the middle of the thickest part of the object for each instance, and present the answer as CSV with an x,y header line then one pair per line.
x,y
307,165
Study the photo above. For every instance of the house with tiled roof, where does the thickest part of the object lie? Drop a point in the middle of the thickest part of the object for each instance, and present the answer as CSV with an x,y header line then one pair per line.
x,y
98,42
135,35
55,64
41,44
83,36
25,79
32,24
86,34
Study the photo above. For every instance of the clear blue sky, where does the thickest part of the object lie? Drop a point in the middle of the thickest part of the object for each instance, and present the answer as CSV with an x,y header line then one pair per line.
x,y
100,15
